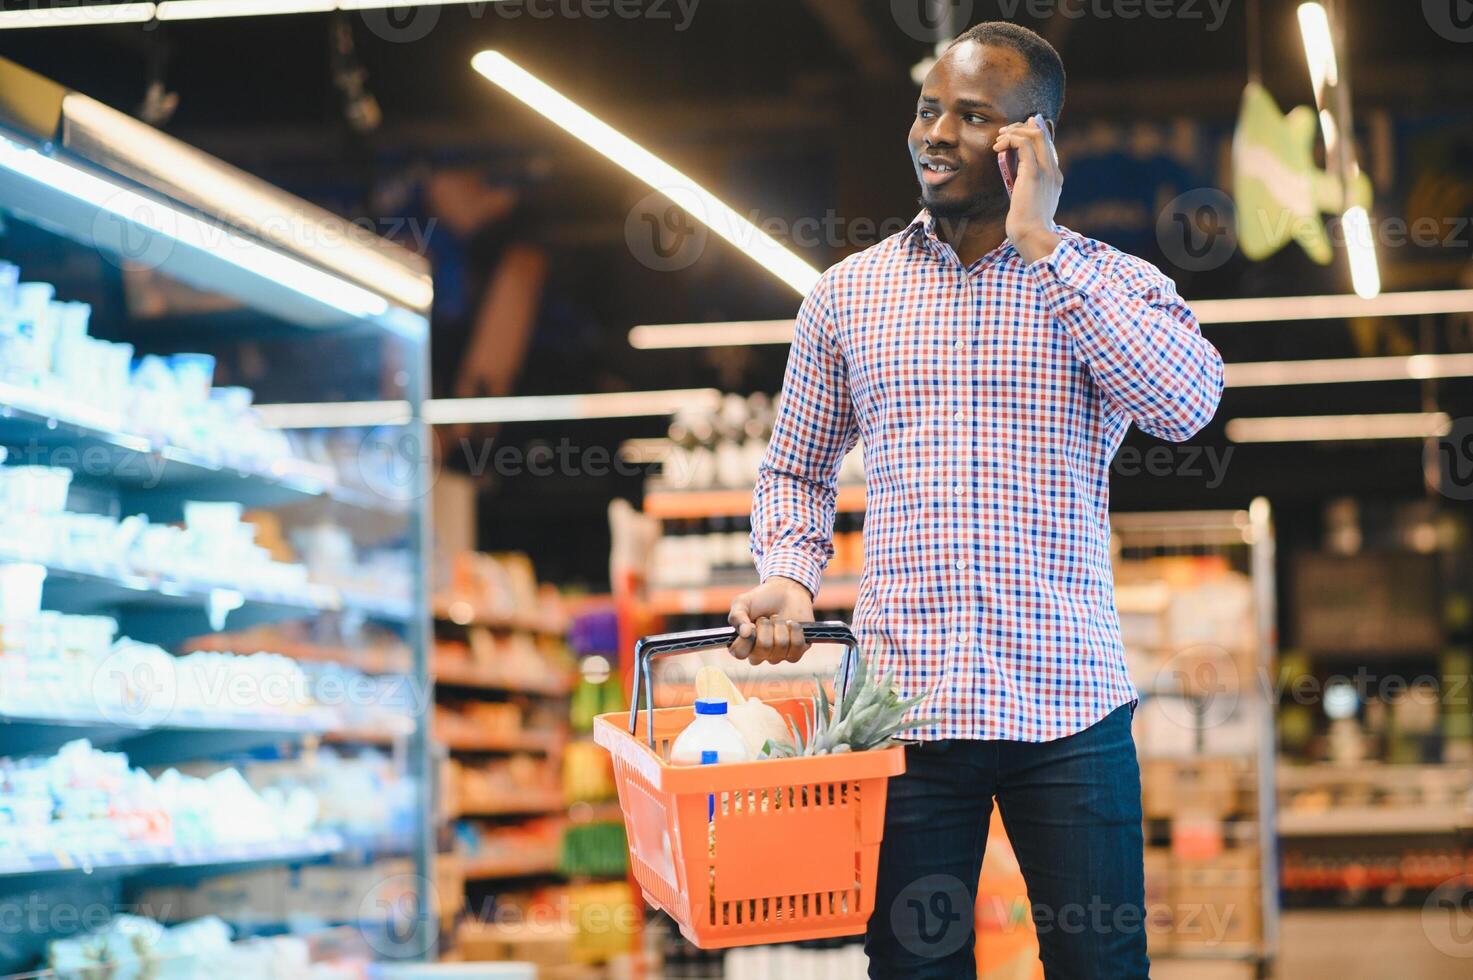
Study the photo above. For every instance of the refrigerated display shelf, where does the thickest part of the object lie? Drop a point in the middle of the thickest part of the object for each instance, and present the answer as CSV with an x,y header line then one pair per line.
x,y
141,858
684,504
157,473
154,734
78,590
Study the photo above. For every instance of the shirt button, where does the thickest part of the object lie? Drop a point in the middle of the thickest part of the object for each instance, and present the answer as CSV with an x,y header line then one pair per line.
x,y
961,564
959,416
957,489
961,345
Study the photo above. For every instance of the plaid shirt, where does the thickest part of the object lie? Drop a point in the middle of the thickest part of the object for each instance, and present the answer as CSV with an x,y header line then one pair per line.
x,y
991,400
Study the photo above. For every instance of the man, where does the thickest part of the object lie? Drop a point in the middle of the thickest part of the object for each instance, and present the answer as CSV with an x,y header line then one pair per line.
x,y
991,360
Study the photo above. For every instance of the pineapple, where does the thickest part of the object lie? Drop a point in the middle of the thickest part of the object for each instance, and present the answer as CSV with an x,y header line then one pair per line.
x,y
868,716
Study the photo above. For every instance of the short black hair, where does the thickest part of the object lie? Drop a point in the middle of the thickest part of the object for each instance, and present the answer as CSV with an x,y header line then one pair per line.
x,y
1045,68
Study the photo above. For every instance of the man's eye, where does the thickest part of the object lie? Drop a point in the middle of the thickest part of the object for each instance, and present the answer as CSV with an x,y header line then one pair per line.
x,y
924,113
972,117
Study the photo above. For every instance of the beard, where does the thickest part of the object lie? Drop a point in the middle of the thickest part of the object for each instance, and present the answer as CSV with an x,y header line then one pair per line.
x,y
988,204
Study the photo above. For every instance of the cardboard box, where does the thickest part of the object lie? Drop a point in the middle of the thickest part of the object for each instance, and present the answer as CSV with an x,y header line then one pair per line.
x,y
1216,906
1201,786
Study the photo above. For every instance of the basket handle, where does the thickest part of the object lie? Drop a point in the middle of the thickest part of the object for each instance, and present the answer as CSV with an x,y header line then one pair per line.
x,y
664,644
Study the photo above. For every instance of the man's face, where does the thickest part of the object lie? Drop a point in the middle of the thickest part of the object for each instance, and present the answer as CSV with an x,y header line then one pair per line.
x,y
971,92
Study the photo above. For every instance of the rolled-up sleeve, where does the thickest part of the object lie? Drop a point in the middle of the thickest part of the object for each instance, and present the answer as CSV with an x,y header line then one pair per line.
x,y
797,483
1140,341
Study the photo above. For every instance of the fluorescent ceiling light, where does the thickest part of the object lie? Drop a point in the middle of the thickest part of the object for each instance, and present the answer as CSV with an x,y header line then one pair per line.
x,y
483,411
161,219
1319,47
1268,309
546,408
1340,428
212,9
1365,276
1348,370
77,16
740,333
334,415
694,199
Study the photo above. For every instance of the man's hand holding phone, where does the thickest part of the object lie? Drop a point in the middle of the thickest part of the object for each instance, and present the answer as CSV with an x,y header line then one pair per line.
x,y
767,618
1027,149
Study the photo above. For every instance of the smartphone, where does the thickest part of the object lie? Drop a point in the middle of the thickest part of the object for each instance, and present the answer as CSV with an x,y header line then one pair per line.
x,y
1007,162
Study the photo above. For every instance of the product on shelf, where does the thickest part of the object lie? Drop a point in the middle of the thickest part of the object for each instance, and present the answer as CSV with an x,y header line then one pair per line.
x,y
497,589
135,946
518,784
84,800
365,796
53,366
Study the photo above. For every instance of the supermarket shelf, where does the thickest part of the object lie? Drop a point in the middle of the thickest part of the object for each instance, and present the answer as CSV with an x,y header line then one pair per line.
x,y
371,660
383,734
676,504
496,868
604,812
546,803
453,674
138,859
522,742
156,476
717,599
155,734
77,590
466,612
1356,821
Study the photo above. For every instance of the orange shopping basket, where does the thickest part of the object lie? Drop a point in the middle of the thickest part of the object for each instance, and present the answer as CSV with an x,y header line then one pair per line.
x,y
743,853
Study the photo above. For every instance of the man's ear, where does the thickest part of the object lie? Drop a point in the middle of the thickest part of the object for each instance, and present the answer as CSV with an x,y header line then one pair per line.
x,y
1048,125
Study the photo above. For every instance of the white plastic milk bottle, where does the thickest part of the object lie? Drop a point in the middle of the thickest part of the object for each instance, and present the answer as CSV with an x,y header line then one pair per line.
x,y
710,738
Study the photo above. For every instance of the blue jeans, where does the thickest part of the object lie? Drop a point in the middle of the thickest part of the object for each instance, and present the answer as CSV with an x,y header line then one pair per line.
x,y
1072,809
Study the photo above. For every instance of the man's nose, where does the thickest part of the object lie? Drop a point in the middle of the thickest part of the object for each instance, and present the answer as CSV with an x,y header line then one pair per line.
x,y
942,132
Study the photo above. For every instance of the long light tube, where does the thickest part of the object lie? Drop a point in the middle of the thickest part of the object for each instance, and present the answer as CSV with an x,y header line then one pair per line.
x,y
1277,309
213,9
1340,428
160,219
1324,76
486,411
1348,370
690,196
77,16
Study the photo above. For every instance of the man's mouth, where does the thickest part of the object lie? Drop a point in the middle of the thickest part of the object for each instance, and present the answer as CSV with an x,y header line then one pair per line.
x,y
934,173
